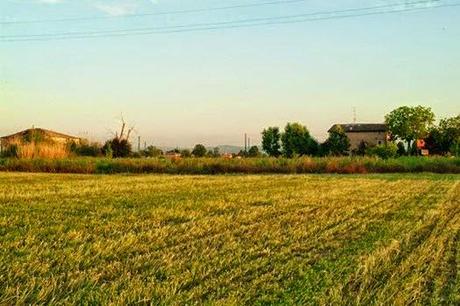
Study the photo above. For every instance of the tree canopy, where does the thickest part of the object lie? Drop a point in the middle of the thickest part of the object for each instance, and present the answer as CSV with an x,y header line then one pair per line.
x,y
253,152
337,143
445,137
271,141
410,123
296,140
199,150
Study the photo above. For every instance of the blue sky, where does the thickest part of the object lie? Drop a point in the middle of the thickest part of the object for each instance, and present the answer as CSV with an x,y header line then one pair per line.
x,y
212,86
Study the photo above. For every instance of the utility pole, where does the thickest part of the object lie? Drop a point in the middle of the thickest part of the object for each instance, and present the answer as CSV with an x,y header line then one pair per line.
x,y
138,143
354,114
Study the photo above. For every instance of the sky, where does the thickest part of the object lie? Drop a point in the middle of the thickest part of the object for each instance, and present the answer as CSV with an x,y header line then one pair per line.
x,y
188,86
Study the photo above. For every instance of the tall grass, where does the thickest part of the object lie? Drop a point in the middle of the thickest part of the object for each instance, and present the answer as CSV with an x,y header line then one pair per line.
x,y
343,165
30,150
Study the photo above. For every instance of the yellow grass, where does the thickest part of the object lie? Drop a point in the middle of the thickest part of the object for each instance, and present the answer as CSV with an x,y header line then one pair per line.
x,y
229,240
42,150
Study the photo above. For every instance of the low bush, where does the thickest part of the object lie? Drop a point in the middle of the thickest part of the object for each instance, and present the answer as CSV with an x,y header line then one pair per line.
x,y
226,166
87,149
385,151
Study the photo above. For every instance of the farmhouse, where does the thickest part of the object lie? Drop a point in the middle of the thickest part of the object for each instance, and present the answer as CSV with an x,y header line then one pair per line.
x,y
370,133
38,135
173,154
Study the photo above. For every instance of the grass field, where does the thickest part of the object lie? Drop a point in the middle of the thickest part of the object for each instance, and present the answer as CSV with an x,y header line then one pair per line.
x,y
282,239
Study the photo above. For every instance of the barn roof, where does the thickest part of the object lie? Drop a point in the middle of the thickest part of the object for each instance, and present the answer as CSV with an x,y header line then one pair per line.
x,y
362,127
39,130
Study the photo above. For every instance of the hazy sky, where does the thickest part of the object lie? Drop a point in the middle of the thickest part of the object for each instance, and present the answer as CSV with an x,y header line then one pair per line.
x,y
212,86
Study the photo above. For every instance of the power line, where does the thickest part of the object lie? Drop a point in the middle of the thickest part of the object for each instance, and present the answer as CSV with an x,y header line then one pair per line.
x,y
199,25
224,25
188,11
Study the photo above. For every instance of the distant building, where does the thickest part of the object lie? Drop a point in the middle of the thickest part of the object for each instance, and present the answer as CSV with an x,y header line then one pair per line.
x,y
37,139
38,135
371,133
227,155
173,154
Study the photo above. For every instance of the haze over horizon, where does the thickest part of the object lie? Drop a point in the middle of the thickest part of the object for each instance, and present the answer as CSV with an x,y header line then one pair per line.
x,y
212,86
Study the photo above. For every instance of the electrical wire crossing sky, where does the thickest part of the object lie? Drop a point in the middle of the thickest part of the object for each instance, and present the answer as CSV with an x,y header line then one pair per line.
x,y
209,71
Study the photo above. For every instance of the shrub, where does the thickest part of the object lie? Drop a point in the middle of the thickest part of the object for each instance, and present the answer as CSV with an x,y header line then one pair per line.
x,y
119,147
86,149
254,152
10,151
401,149
152,151
385,151
185,153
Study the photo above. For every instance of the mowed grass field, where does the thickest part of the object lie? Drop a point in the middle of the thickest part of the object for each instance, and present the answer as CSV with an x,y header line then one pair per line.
x,y
260,239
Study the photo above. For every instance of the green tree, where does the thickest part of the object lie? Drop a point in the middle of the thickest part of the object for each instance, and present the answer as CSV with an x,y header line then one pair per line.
x,y
215,152
435,142
254,151
242,153
455,148
185,153
296,140
152,151
271,141
199,150
337,143
410,123
450,134
443,138
119,146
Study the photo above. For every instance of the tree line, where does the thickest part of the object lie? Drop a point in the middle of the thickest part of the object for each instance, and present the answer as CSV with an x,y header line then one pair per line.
x,y
405,125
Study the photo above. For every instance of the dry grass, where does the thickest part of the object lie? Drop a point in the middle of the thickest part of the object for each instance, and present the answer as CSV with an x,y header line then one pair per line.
x,y
29,150
376,239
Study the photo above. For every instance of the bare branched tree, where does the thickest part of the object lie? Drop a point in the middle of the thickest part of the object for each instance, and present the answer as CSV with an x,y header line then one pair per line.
x,y
125,133
119,145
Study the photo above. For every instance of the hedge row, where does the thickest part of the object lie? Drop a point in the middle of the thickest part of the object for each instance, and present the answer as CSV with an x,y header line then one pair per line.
x,y
222,166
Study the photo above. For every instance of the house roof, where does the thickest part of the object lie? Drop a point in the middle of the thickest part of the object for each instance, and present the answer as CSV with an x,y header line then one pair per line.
x,y
362,127
39,130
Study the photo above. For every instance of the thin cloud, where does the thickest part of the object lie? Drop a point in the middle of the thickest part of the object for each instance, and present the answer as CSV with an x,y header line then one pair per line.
x,y
119,8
